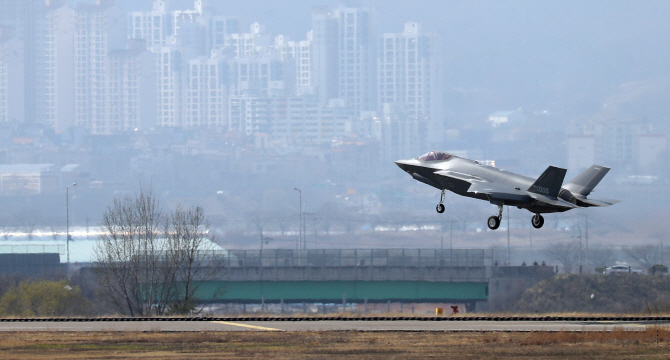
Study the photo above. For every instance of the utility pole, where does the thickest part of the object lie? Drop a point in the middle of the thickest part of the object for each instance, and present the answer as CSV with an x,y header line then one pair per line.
x,y
586,221
580,248
304,229
300,222
67,221
263,240
451,244
586,238
508,257
315,238
530,234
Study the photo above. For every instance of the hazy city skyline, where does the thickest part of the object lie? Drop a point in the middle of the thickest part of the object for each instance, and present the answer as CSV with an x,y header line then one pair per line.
x,y
526,85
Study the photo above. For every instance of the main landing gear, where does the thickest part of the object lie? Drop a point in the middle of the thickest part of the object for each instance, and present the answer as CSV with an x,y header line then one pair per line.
x,y
440,206
494,221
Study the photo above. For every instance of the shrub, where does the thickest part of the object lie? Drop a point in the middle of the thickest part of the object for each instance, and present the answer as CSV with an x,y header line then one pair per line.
x,y
44,298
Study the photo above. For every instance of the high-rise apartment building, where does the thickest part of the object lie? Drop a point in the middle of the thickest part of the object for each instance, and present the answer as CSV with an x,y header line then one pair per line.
x,y
11,77
45,30
99,29
261,77
355,57
27,19
408,73
221,27
168,62
408,77
288,120
343,56
206,94
324,66
300,53
56,87
251,44
151,26
132,90
179,40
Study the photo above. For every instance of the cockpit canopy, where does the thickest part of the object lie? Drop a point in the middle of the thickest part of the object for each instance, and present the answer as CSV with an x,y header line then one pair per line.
x,y
435,156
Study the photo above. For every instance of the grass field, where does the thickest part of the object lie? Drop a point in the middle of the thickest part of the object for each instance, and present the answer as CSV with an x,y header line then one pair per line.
x,y
616,344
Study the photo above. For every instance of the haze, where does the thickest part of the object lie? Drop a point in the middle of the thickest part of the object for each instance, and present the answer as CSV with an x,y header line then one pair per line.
x,y
525,84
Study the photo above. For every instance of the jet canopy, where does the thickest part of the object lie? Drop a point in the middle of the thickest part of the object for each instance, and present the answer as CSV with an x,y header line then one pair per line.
x,y
435,156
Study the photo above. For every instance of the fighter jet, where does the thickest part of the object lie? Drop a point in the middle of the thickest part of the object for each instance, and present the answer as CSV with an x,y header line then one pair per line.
x,y
471,178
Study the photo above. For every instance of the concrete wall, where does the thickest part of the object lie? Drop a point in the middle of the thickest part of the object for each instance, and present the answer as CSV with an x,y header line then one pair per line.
x,y
31,264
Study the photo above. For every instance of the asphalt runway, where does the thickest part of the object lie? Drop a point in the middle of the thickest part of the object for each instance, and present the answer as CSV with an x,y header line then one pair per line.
x,y
328,325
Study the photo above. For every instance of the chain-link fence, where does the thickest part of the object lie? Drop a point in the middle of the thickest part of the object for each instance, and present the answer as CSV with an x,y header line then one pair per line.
x,y
357,257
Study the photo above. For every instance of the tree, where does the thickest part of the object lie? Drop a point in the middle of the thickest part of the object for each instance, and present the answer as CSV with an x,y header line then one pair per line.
x,y
566,252
44,298
194,255
645,255
127,264
148,262
601,256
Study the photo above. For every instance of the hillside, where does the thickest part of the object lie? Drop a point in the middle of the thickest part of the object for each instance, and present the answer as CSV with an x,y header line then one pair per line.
x,y
597,293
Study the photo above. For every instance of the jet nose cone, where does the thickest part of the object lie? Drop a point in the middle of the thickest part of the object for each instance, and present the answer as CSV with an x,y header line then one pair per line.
x,y
403,164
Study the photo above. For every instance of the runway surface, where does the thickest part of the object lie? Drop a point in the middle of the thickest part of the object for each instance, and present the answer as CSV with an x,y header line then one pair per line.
x,y
331,325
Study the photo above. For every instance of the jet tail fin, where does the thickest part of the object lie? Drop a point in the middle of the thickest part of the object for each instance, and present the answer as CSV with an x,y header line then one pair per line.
x,y
549,183
584,183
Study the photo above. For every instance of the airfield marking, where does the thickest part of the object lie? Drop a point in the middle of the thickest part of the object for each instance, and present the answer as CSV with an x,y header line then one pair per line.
x,y
247,326
624,323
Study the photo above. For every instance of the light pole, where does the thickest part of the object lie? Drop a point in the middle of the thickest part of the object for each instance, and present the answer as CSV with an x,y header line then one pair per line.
x,y
508,257
300,224
67,220
265,240
586,237
580,248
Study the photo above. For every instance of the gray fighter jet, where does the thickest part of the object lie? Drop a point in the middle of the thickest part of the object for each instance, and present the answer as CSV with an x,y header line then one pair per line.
x,y
546,194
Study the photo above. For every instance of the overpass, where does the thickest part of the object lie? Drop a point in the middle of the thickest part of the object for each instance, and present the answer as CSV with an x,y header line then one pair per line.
x,y
368,275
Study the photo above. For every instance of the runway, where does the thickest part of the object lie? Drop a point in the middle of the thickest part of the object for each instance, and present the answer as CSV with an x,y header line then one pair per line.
x,y
331,325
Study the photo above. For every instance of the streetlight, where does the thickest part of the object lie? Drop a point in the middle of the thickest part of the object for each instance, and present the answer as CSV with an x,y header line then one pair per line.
x,y
67,220
300,225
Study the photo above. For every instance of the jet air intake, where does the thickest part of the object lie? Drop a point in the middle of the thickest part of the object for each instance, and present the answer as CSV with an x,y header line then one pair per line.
x,y
426,180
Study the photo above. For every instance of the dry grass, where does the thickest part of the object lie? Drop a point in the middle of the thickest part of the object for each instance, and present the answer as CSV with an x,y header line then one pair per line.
x,y
401,315
336,345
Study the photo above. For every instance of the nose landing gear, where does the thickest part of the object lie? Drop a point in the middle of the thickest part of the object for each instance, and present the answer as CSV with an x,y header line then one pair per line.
x,y
494,221
440,206
537,221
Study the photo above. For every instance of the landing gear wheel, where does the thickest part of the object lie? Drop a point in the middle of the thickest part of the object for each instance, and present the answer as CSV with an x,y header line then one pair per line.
x,y
440,208
537,221
494,222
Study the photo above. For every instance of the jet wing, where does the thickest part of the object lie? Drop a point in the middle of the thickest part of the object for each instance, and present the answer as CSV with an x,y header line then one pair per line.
x,y
477,185
551,201
460,176
595,202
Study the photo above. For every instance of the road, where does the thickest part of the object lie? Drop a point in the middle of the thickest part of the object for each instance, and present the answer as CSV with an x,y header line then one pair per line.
x,y
330,325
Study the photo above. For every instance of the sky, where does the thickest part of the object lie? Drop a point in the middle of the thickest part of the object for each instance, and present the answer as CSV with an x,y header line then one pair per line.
x,y
508,54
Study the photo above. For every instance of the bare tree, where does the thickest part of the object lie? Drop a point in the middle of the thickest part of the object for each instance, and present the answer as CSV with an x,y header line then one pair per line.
x,y
194,254
601,256
645,255
127,257
566,253
148,262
